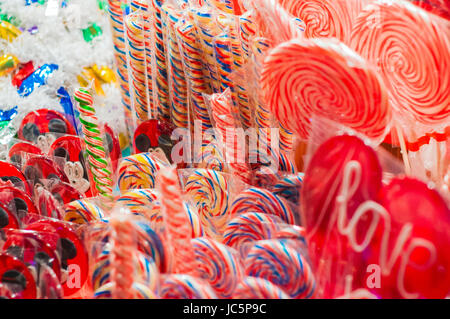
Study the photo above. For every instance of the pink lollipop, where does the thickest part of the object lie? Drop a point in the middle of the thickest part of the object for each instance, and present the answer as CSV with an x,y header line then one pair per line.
x,y
218,265
283,265
262,201
258,288
301,79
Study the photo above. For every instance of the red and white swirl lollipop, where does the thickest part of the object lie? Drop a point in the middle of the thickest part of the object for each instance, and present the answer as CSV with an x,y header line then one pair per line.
x,y
410,49
326,18
322,77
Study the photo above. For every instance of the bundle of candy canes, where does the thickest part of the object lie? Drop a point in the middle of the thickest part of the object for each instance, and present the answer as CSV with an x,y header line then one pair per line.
x,y
279,149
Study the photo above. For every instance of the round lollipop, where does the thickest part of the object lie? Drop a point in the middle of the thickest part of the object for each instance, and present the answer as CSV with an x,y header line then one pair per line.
x,y
326,18
185,287
69,148
82,212
153,134
262,201
218,265
40,168
258,288
321,77
7,218
18,201
12,173
20,149
74,258
409,47
282,265
17,277
43,126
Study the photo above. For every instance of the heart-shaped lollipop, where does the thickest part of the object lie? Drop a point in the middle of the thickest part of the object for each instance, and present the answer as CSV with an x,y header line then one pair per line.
x,y
327,221
412,241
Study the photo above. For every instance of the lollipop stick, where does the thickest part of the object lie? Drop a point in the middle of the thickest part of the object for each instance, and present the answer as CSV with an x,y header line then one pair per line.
x,y
404,150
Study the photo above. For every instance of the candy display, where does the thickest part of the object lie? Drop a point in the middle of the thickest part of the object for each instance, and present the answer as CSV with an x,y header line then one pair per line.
x,y
224,149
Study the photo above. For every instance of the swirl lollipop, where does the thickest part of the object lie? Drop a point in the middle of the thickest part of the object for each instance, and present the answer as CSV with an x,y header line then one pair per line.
x,y
326,18
209,191
138,171
282,265
218,265
258,288
250,227
340,87
82,212
185,287
410,49
262,201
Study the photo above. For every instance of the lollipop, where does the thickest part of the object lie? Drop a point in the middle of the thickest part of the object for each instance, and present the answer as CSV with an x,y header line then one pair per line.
x,y
15,176
142,202
221,107
289,187
97,158
136,49
340,87
260,200
82,212
176,220
258,288
218,265
177,78
326,18
15,273
209,191
20,149
251,227
283,265
410,49
7,218
17,200
138,171
185,287
191,52
162,87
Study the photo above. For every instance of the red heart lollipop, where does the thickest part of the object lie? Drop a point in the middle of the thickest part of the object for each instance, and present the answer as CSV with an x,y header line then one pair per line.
x,y
74,257
327,220
10,173
412,242
17,277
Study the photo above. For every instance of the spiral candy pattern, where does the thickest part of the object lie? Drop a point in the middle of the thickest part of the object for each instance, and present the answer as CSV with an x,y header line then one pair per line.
x,y
192,60
283,265
162,85
136,48
289,187
326,18
221,107
82,211
258,288
185,287
251,227
209,191
218,265
177,223
260,200
340,86
177,78
138,171
410,49
97,157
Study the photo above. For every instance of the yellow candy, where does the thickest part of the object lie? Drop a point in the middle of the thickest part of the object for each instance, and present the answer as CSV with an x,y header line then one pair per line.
x,y
97,75
8,63
8,31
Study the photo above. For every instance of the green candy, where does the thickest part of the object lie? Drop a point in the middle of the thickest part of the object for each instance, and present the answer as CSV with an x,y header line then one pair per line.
x,y
92,32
